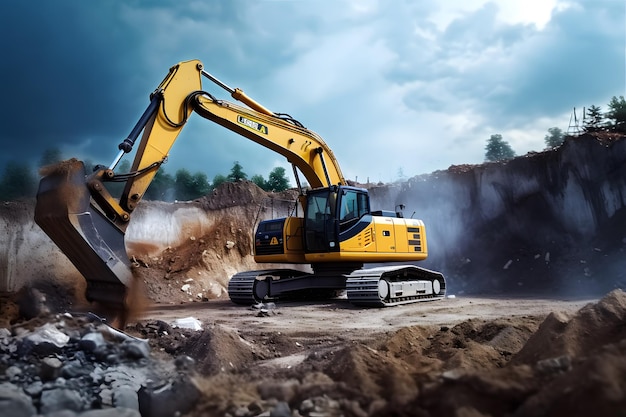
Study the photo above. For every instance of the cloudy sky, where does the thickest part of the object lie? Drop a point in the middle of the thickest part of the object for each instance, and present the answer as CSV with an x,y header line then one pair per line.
x,y
394,87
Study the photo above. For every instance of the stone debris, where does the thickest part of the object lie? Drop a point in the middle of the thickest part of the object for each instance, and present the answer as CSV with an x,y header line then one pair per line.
x,y
78,367
15,402
264,309
177,395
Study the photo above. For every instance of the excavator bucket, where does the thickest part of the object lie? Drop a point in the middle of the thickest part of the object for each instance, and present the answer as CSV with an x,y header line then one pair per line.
x,y
65,212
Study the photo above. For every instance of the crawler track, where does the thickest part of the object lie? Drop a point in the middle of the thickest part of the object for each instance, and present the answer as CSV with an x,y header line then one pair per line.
x,y
375,287
394,285
241,287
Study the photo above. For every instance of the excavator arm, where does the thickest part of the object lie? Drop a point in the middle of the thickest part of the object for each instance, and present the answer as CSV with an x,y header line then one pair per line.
x,y
80,214
181,93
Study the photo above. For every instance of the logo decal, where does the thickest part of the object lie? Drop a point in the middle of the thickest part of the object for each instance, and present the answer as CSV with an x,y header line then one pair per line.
x,y
251,124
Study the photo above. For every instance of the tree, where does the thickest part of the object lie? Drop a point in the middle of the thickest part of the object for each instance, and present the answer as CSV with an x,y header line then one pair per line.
x,y
617,114
236,173
218,180
161,187
188,186
277,180
555,138
201,184
593,119
17,181
260,181
498,149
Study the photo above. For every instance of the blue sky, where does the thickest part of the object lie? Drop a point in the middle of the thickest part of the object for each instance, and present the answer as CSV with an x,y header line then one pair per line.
x,y
394,87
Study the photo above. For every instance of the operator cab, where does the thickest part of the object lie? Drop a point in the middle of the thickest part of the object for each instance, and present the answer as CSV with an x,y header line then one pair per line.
x,y
331,211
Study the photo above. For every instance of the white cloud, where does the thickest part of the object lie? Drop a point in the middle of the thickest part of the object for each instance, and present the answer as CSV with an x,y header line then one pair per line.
x,y
536,12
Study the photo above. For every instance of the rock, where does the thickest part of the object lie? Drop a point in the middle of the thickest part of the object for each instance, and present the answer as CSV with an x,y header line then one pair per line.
x,y
60,399
75,369
178,396
188,323
34,389
12,372
5,336
125,397
281,410
118,377
184,363
14,402
106,396
50,369
45,341
554,365
136,349
92,341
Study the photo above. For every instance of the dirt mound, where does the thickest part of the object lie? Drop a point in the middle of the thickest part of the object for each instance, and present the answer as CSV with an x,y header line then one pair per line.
x,y
379,374
472,344
241,193
571,366
588,331
214,349
198,267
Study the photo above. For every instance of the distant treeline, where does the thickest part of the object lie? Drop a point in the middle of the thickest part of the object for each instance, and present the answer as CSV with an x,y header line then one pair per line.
x,y
19,180
594,120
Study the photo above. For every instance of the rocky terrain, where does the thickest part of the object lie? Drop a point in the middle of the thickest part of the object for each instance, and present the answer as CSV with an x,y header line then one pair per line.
x,y
533,251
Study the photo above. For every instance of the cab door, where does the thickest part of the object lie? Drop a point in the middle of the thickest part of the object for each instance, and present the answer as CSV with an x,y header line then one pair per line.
x,y
320,221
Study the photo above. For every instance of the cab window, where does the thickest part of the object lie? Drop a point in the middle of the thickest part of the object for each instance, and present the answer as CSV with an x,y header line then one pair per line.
x,y
354,205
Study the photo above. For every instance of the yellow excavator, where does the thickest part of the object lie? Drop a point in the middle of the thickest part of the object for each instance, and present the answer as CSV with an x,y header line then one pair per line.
x,y
336,234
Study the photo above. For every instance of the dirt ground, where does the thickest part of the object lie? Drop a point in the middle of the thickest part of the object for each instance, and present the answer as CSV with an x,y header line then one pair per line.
x,y
460,356
465,356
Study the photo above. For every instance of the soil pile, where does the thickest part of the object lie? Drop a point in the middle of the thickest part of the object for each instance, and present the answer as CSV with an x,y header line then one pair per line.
x,y
214,242
561,365
557,364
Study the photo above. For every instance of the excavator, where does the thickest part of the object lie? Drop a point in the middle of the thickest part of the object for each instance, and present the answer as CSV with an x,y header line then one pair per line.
x,y
336,234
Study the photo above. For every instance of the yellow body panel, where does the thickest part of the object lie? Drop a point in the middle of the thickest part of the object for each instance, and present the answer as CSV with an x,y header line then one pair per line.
x,y
390,235
293,231
385,239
